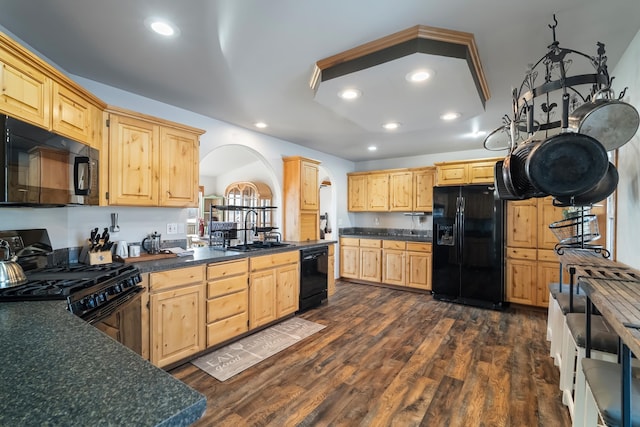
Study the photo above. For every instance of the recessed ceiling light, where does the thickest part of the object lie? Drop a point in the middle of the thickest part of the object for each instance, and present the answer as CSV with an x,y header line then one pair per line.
x,y
162,27
391,125
260,125
372,148
450,116
418,76
349,94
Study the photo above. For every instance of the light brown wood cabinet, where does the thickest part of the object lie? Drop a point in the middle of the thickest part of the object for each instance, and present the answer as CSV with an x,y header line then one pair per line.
x,y
423,182
331,267
531,260
378,192
390,262
466,172
401,191
274,285
301,205
151,162
35,92
418,262
393,262
177,314
357,193
227,300
393,190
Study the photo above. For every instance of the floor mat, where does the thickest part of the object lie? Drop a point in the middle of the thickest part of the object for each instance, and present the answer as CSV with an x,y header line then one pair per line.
x,y
234,358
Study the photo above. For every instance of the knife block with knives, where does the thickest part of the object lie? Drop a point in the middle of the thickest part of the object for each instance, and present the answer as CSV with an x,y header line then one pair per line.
x,y
98,248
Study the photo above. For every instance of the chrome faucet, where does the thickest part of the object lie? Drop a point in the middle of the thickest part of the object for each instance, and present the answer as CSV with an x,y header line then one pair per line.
x,y
246,216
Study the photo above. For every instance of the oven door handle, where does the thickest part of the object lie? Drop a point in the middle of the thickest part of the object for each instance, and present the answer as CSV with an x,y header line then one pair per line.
x,y
119,304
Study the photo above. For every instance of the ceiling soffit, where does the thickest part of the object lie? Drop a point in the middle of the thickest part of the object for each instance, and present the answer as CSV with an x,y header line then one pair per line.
x,y
418,39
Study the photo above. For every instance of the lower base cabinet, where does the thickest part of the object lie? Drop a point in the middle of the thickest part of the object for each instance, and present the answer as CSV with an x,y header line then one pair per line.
x,y
274,285
177,314
398,263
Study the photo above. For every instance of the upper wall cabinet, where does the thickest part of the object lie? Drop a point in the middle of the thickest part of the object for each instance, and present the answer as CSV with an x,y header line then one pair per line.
x,y
33,91
466,172
151,162
395,190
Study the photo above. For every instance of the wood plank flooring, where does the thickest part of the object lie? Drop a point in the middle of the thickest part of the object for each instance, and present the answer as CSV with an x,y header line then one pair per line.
x,y
390,357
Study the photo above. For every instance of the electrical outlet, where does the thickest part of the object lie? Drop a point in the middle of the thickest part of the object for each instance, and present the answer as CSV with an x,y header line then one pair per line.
x,y
172,228
376,221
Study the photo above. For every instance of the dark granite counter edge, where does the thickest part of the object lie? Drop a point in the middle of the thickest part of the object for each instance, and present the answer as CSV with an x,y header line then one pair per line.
x,y
207,255
63,371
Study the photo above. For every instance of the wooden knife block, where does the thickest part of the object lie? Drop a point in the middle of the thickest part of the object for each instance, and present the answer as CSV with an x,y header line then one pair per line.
x,y
95,258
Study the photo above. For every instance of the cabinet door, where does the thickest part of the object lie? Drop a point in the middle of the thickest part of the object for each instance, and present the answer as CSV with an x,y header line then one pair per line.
x,y
378,192
393,267
370,264
423,181
521,281
481,172
331,275
454,174
309,225
288,287
179,173
419,270
547,213
26,92
357,193
72,115
548,272
262,298
177,324
400,191
309,186
350,262
522,223
133,162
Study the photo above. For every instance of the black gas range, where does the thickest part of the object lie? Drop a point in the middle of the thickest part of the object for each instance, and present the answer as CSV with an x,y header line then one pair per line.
x,y
91,292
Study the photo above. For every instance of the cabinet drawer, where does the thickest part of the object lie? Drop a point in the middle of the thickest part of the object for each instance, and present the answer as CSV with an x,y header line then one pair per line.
x,y
267,261
227,306
370,243
521,253
547,255
227,285
349,241
216,271
393,244
226,329
418,247
177,277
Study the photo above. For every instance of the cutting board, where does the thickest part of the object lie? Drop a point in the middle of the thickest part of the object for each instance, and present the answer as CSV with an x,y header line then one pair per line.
x,y
149,257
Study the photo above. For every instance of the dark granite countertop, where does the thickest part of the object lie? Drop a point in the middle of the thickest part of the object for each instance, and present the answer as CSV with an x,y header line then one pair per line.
x,y
206,255
59,370
387,234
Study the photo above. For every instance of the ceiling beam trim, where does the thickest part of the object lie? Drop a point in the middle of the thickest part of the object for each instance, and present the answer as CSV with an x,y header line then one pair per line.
x,y
417,39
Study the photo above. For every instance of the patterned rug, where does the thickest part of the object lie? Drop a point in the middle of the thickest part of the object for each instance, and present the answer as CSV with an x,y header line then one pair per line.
x,y
234,358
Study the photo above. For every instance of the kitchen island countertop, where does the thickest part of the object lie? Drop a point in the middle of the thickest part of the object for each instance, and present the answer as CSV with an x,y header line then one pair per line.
x,y
59,370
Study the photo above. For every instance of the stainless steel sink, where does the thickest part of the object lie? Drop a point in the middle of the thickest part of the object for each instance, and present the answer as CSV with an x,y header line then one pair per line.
x,y
257,246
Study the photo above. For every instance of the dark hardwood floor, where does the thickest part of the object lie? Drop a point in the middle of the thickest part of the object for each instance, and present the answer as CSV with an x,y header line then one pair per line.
x,y
390,357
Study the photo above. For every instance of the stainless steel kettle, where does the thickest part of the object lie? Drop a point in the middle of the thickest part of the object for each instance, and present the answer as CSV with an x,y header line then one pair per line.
x,y
11,273
151,243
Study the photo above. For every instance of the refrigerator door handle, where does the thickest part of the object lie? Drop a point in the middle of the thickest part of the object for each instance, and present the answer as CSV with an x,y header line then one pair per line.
x,y
461,230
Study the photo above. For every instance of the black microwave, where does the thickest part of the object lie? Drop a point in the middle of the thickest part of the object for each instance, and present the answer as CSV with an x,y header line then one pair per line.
x,y
41,168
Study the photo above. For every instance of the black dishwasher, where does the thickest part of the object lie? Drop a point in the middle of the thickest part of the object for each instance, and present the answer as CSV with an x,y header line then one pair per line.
x,y
313,276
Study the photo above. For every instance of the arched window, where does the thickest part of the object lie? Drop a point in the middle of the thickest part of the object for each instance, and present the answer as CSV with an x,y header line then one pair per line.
x,y
248,194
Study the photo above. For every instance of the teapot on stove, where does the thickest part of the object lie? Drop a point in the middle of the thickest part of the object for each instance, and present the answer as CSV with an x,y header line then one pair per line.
x,y
151,243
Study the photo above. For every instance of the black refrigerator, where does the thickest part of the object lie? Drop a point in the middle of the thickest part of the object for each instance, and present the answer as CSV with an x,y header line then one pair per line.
x,y
468,247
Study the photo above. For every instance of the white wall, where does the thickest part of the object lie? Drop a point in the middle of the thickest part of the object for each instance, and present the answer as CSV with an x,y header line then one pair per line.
x,y
627,74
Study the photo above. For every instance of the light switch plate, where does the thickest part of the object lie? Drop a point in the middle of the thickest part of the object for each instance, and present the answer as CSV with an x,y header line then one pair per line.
x,y
172,228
